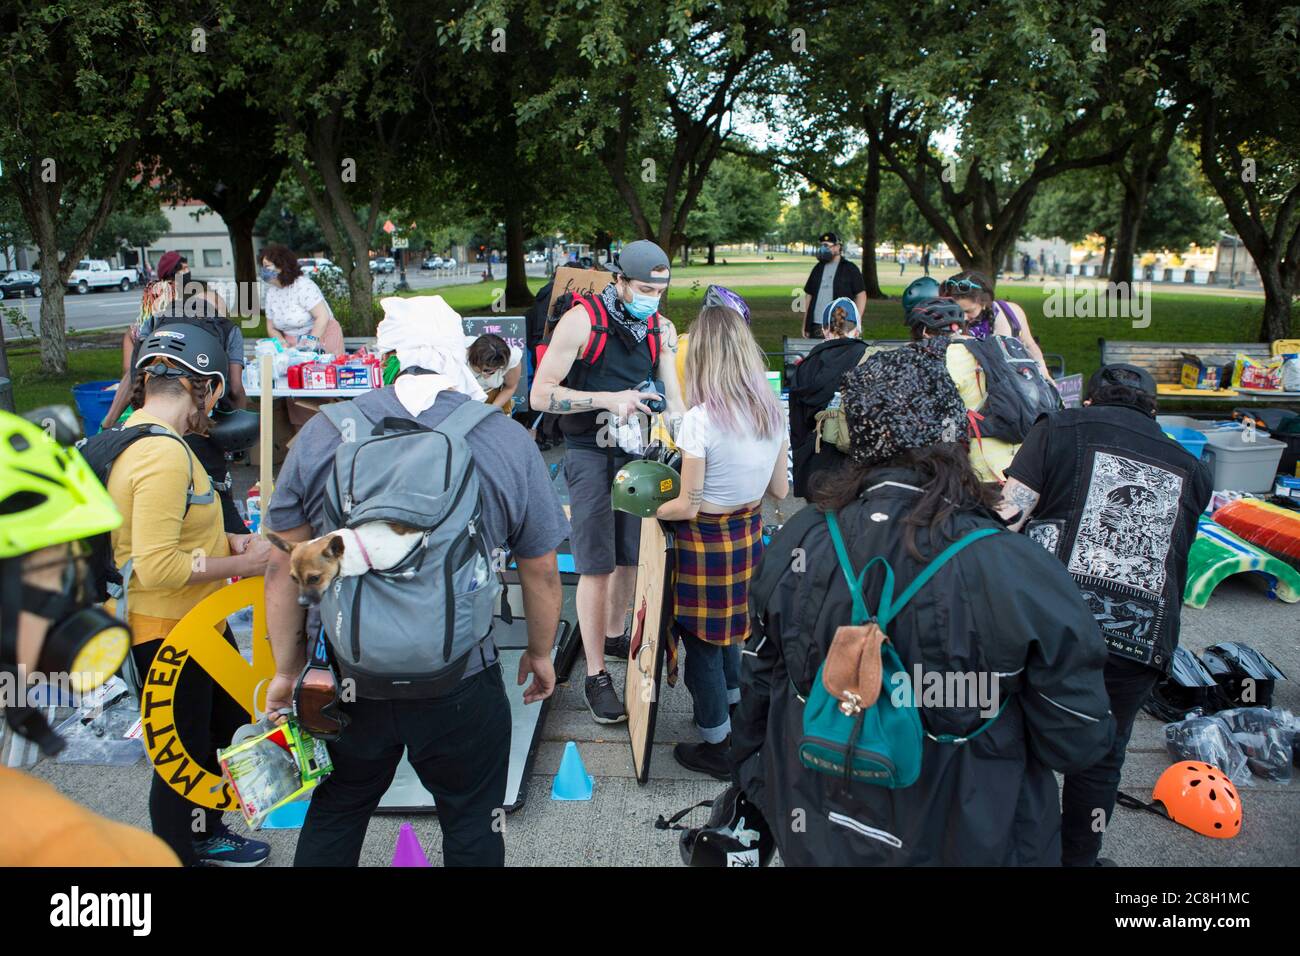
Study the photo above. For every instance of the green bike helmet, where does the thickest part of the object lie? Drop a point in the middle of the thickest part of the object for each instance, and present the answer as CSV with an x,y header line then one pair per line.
x,y
918,291
640,487
48,494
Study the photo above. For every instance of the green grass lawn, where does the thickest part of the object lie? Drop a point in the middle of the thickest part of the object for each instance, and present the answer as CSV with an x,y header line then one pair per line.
x,y
771,288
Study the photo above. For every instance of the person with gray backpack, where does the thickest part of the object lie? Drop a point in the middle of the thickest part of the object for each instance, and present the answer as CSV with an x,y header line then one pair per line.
x,y
411,636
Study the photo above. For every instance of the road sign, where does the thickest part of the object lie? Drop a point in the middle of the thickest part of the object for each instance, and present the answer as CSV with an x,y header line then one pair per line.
x,y
401,243
388,226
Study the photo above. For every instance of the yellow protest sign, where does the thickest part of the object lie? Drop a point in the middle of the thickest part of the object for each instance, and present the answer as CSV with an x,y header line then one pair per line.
x,y
199,637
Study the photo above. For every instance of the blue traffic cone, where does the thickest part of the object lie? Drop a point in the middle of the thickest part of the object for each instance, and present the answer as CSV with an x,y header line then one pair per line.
x,y
572,782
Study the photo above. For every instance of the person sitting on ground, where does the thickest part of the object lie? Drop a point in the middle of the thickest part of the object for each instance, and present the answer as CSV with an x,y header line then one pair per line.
x,y
814,384
733,448
1116,501
1000,612
940,322
42,557
296,312
985,316
497,366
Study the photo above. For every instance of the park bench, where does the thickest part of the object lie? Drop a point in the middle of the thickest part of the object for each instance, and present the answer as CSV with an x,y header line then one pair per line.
x,y
1164,360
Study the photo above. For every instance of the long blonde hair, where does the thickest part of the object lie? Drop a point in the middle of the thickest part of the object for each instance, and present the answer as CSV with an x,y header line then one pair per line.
x,y
727,374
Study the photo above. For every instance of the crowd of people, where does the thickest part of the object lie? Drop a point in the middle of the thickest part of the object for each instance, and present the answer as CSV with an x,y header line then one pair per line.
x,y
1039,551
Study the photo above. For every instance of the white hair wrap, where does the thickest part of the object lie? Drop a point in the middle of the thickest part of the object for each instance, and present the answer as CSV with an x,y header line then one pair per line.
x,y
426,332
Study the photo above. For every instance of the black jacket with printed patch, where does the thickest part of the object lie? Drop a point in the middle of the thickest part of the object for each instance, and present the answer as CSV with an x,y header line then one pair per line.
x,y
1001,609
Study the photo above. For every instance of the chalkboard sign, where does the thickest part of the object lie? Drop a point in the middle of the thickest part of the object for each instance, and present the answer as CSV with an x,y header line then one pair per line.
x,y
1071,389
512,328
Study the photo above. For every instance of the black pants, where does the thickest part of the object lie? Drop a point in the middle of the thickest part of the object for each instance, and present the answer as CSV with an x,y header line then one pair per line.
x,y
1128,684
458,744
206,718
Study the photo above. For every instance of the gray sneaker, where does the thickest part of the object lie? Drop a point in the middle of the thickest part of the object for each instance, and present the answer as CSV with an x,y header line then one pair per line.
x,y
602,700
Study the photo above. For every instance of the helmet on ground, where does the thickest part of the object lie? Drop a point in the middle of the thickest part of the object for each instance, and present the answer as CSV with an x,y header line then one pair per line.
x,y
641,486
188,346
919,290
1244,675
1201,798
936,314
735,835
48,494
1187,687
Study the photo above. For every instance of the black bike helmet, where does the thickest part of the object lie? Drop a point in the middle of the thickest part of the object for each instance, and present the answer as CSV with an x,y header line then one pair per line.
x,y
189,346
918,290
1187,687
736,835
234,430
1244,675
937,315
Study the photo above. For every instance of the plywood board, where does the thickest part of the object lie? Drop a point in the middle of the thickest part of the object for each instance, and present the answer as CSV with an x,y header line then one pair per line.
x,y
651,623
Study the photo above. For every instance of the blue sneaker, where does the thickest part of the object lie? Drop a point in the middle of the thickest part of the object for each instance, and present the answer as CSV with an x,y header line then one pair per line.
x,y
226,849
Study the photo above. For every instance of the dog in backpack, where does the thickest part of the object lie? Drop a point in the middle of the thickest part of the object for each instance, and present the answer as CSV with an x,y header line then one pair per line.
x,y
349,552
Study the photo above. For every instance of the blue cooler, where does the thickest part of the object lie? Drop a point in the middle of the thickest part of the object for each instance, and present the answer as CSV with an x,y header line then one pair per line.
x,y
1193,442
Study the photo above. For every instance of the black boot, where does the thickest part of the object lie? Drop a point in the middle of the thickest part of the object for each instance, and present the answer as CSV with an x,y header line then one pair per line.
x,y
713,759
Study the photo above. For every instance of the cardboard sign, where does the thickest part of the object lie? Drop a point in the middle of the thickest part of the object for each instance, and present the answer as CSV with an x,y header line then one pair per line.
x,y
512,328
1071,389
582,281
651,627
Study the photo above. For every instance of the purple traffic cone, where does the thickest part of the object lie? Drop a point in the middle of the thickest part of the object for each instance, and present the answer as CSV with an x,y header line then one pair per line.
x,y
408,851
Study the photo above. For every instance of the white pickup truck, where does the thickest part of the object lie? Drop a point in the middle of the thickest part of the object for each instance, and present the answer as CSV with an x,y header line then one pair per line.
x,y
95,274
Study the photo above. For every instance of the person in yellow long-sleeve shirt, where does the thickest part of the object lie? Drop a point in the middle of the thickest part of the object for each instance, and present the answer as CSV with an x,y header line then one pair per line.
x,y
172,552
48,624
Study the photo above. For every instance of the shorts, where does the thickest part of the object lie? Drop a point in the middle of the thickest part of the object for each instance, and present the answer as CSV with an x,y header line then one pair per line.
x,y
599,537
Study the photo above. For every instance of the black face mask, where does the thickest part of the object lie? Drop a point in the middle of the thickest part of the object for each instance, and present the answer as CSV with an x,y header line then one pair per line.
x,y
83,641
824,254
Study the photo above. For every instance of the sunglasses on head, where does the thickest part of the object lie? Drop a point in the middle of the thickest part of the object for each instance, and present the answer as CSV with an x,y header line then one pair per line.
x,y
961,286
316,701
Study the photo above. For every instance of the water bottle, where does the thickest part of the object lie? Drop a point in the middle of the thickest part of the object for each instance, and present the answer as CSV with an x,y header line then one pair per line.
x,y
254,506
835,401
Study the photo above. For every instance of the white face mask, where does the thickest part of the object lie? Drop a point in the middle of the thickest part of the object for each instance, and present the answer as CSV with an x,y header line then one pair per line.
x,y
490,380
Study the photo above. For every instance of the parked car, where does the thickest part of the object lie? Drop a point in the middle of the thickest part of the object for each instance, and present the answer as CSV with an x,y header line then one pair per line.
x,y
448,263
97,274
19,283
534,257
383,264
431,262
314,267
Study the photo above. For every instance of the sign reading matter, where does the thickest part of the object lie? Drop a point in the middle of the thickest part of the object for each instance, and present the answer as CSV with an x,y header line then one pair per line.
x,y
581,281
1071,389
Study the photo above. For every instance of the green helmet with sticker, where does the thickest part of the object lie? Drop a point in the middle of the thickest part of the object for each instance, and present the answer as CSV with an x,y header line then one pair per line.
x,y
918,291
640,487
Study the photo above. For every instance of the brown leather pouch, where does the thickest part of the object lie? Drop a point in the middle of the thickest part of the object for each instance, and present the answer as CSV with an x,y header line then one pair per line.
x,y
852,672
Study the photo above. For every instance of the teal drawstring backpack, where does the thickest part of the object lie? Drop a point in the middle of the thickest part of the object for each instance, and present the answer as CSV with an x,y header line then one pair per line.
x,y
854,726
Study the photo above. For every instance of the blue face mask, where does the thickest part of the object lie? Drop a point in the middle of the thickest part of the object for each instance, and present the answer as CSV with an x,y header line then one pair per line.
x,y
269,275
642,306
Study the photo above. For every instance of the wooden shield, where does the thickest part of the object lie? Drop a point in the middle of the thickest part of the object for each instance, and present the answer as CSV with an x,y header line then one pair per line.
x,y
652,610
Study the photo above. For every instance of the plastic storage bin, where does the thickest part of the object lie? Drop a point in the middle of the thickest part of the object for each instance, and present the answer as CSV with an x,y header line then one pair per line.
x,y
1193,442
1241,465
93,402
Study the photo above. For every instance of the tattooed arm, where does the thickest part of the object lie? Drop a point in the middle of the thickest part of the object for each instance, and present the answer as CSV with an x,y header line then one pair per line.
x,y
548,395
1018,503
687,503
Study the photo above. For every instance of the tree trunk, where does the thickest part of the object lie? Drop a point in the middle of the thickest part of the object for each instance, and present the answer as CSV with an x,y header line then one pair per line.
x,y
1132,210
240,229
869,200
517,294
1276,323
1105,256
712,258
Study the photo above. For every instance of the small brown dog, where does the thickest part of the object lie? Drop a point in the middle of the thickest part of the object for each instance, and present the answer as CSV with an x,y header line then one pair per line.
x,y
376,546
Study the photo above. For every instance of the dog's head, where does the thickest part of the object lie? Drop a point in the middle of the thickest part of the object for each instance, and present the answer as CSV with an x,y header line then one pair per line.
x,y
313,565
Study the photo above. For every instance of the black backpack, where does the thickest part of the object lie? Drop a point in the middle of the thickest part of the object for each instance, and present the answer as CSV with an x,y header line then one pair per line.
x,y
1016,391
100,451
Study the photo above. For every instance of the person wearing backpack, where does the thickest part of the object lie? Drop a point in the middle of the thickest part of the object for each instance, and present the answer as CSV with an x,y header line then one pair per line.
x,y
813,386
1108,494
414,639
999,382
171,552
733,447
986,316
958,776
605,355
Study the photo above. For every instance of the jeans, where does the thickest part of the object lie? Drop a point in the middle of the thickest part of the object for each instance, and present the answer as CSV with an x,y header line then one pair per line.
x,y
458,744
1128,684
206,717
713,679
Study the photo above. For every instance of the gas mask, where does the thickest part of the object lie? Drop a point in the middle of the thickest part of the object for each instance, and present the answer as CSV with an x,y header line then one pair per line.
x,y
83,645
824,253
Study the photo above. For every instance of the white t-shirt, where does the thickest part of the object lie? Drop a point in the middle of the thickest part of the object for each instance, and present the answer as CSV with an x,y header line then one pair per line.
x,y
737,466
289,308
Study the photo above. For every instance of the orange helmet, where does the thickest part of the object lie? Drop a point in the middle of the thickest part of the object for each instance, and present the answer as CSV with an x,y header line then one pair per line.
x,y
1201,798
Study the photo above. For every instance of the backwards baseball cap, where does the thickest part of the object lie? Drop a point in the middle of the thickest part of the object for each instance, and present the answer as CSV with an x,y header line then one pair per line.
x,y
1130,376
642,261
829,237
843,309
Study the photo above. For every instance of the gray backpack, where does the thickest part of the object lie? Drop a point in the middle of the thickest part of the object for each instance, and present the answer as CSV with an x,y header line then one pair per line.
x,y
410,631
